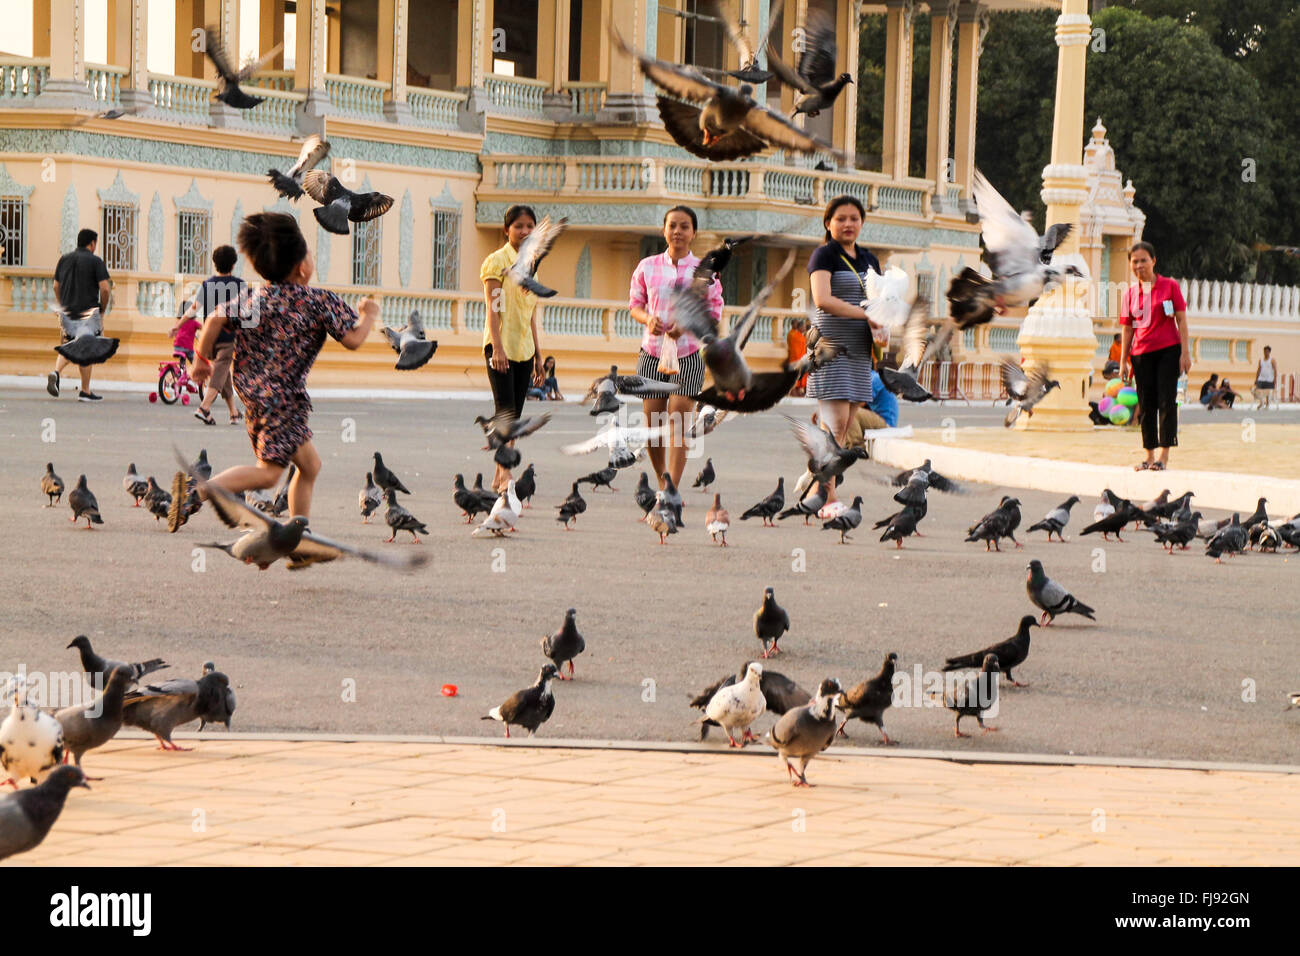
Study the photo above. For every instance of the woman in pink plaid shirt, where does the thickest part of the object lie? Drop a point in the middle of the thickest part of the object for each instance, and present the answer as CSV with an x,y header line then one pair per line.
x,y
663,344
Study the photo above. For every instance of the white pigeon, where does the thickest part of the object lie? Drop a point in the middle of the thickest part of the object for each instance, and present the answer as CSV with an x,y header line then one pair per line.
x,y
887,303
737,706
503,515
707,418
1104,509
31,743
615,435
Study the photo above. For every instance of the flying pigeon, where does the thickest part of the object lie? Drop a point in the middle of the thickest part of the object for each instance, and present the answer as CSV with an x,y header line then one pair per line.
x,y
531,253
717,521
385,479
1026,388
280,504
135,486
528,708
869,700
412,349
51,485
161,708
338,204
780,694
467,501
736,706
564,645
807,731
371,497
661,518
1050,597
604,389
1010,653
815,77
99,669
974,696
997,524
705,477
505,512
707,418
601,479
936,481
507,427
913,353
571,507
86,728
714,121
846,521
87,344
913,494
31,743
228,80
399,519
26,817
770,623
826,459
769,507
747,54
808,505
768,388
84,504
1055,521
289,185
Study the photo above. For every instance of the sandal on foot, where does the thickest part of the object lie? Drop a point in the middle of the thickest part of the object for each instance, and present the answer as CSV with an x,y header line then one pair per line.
x,y
1145,466
1157,466
205,417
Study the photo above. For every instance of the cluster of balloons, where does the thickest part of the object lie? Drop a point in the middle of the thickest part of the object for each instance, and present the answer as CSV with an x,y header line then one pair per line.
x,y
1118,402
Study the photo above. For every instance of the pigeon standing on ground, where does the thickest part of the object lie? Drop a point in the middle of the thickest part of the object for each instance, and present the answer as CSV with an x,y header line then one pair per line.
x,y
571,507
899,525
89,727
135,486
84,504
99,667
1050,597
770,623
289,184
412,348
974,696
806,732
157,500
717,521
997,524
31,743
51,485
661,518
808,505
467,501
736,706
1114,522
645,495
371,497
528,708
1260,515
847,520
504,514
780,693
1178,534
769,507
673,499
1010,653
339,205
564,645
526,486
705,477
161,708
601,479
26,817
201,466
870,699
223,713
815,76
913,495
1230,540
228,79
1055,521
385,479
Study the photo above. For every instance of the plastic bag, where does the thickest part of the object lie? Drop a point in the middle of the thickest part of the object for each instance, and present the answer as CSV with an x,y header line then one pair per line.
x,y
668,364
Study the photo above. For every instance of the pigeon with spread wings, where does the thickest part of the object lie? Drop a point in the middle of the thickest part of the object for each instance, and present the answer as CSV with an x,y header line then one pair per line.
x,y
228,80
86,343
1026,387
412,349
531,253
715,121
815,77
747,53
289,184
338,204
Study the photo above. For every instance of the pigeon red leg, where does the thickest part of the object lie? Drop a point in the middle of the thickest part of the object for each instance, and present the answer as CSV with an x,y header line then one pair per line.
x,y
839,731
570,670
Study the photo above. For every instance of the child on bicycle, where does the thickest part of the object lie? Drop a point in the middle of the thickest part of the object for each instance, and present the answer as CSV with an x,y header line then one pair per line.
x,y
182,336
279,330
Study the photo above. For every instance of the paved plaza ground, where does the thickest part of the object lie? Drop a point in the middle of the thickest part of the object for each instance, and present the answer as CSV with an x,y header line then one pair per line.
x,y
1179,641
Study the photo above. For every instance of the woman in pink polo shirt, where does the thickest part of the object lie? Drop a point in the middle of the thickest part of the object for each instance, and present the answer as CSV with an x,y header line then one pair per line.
x,y
652,283
1154,352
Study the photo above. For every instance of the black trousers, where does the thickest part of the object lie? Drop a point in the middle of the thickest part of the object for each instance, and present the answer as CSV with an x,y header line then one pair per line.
x,y
1155,376
509,388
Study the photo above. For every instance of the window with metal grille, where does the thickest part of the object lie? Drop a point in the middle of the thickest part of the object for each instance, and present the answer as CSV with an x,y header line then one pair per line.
x,y
13,230
193,242
446,250
118,235
365,252
704,40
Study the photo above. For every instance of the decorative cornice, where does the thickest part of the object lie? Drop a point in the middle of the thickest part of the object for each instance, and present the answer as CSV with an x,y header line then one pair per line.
x,y
118,192
173,155
193,200
401,154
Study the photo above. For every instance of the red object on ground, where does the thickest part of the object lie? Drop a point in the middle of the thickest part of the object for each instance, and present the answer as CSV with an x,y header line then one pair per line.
x,y
448,690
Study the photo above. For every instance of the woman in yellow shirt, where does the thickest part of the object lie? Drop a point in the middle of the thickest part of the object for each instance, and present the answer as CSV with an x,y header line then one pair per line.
x,y
510,340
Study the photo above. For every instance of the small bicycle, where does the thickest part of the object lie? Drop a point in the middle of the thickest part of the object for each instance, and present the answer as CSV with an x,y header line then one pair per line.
x,y
174,382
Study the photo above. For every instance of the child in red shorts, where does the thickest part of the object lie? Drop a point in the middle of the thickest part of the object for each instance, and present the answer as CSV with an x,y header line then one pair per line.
x,y
279,330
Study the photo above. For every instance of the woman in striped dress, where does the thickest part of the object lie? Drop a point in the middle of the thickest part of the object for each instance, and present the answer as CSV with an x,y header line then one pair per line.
x,y
652,283
837,273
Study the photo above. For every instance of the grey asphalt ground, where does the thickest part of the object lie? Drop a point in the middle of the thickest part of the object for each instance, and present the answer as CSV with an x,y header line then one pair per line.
x,y
1178,643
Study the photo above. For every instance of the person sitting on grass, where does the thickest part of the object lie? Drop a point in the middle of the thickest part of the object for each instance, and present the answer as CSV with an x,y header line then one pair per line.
x,y
279,330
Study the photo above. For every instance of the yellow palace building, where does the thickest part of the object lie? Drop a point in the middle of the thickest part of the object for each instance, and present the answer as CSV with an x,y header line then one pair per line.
x,y
458,109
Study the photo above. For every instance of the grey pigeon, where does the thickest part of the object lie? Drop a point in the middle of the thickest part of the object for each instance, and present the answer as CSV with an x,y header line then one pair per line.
x,y
644,494
161,708
89,727
157,500
385,479
997,524
412,348
769,507
606,387
714,121
771,622
807,731
601,479
201,468
86,345
135,486
846,521
974,696
528,708
51,485
746,53
1055,521
339,205
571,507
222,713
1026,388
84,505
768,388
1010,653
1229,540
780,693
371,497
228,79
815,76
1179,533
565,644
289,184
900,525
467,501
706,476
737,705
399,519
869,700
809,505
489,498
661,518
913,354
913,494
531,253
936,481
826,459
507,427
100,668
673,498
27,816
1050,597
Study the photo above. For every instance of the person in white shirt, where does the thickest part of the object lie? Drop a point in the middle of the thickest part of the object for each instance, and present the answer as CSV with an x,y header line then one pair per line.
x,y
1265,379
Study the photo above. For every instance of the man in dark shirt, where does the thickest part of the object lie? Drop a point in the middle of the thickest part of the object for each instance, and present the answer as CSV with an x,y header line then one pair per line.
x,y
80,284
220,289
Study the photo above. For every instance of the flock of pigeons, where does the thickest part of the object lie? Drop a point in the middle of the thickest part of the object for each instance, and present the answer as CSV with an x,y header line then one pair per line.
x,y
36,744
